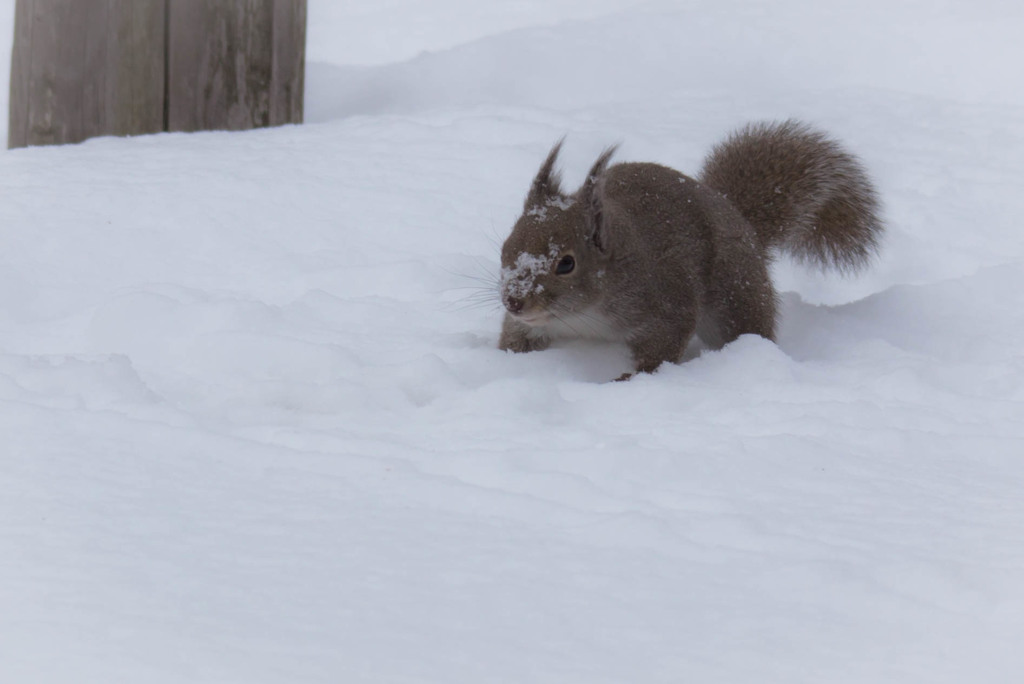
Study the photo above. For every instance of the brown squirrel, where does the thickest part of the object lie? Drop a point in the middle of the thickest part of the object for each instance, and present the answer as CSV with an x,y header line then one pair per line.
x,y
644,254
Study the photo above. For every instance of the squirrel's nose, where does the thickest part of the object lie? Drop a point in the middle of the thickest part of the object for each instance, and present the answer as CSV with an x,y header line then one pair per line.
x,y
514,304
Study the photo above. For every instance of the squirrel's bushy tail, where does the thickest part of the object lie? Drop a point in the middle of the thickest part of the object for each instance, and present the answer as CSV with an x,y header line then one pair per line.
x,y
801,190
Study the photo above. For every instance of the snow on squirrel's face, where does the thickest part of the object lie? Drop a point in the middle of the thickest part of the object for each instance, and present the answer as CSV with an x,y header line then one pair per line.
x,y
544,263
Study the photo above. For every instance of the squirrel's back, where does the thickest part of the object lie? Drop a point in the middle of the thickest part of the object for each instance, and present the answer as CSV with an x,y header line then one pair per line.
x,y
802,192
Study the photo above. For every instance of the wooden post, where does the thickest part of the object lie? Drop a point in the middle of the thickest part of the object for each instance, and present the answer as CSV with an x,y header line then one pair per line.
x,y
82,68
235,65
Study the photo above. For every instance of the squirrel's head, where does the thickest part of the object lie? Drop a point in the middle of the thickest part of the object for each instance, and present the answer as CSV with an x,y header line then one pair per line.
x,y
554,259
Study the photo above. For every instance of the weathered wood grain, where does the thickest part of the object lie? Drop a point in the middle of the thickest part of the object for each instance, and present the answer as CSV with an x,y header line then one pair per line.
x,y
82,68
288,81
235,64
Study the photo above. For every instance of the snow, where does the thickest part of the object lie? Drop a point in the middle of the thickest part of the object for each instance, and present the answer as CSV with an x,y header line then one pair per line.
x,y
521,279
255,427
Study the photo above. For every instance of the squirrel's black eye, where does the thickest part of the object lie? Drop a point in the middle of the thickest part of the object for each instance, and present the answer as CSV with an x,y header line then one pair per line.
x,y
566,265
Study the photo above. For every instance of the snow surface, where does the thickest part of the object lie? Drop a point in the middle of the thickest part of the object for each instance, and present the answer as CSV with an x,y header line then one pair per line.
x,y
255,428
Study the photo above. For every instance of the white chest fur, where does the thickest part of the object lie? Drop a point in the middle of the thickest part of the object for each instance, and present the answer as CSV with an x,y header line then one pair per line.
x,y
591,324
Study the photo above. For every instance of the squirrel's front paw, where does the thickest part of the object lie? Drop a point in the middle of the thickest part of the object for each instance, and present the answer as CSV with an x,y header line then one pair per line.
x,y
519,343
517,337
516,344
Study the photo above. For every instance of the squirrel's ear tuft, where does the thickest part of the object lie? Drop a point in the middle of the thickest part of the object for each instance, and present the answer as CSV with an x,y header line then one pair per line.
x,y
548,182
599,167
593,195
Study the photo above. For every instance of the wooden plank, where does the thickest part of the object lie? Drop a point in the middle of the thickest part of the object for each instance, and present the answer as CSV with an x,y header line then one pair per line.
x,y
17,128
140,66
82,68
288,81
38,46
235,64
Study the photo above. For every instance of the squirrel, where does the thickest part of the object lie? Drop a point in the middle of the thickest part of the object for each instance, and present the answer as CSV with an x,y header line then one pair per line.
x,y
646,255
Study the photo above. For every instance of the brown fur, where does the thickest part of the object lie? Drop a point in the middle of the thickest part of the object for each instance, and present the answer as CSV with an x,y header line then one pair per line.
x,y
658,256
